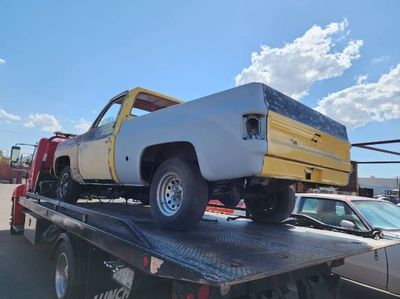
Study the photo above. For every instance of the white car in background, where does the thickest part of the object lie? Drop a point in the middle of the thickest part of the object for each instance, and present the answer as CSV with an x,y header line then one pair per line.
x,y
380,268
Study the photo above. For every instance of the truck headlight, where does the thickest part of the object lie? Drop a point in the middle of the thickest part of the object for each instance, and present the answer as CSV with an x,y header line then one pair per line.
x,y
254,126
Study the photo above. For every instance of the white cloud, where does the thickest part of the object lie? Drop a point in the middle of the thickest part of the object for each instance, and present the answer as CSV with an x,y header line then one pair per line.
x,y
46,122
380,59
8,116
82,125
366,102
361,79
293,68
2,61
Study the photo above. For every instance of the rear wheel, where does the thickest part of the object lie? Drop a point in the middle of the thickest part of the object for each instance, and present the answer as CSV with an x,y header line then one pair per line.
x,y
178,195
67,189
271,207
66,276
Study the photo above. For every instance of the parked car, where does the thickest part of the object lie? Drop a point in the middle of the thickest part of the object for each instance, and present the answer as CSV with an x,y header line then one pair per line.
x,y
379,268
390,195
249,142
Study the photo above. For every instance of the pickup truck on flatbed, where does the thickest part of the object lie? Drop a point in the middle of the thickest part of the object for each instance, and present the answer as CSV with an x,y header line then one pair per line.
x,y
250,142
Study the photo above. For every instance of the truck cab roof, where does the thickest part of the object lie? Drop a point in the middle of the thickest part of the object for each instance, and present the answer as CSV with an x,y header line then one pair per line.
x,y
148,100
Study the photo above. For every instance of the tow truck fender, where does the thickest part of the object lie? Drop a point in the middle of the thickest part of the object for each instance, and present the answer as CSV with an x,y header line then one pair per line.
x,y
17,217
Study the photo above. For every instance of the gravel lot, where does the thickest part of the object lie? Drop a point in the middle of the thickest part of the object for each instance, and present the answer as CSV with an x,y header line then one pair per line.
x,y
26,271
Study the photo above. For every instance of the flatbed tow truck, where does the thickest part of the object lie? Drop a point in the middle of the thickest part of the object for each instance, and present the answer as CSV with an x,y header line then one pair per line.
x,y
113,249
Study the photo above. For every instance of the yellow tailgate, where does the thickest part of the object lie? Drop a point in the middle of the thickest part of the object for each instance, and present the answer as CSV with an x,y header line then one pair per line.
x,y
311,154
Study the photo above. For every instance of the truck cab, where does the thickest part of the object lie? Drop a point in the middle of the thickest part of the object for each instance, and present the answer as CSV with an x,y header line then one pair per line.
x,y
91,156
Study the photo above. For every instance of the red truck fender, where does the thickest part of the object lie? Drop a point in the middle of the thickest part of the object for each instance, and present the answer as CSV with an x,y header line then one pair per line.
x,y
17,217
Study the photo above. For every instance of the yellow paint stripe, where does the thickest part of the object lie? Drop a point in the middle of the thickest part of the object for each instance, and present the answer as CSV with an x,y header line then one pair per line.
x,y
125,114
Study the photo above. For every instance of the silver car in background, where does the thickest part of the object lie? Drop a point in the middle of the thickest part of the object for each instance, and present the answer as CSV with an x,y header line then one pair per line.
x,y
380,268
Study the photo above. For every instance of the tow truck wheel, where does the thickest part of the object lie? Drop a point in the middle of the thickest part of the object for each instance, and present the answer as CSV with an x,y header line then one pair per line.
x,y
67,189
66,283
13,231
271,207
178,195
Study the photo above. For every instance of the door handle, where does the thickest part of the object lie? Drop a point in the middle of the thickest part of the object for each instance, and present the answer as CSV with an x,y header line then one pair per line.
x,y
376,256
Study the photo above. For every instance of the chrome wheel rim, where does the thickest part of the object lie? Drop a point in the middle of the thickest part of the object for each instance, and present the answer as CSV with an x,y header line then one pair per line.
x,y
169,194
61,275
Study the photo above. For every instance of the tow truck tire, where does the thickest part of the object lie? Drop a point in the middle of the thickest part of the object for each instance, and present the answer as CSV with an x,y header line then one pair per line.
x,y
13,231
178,195
271,207
66,276
67,189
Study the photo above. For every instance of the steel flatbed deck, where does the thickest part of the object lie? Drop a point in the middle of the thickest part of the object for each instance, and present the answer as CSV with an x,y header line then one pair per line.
x,y
217,253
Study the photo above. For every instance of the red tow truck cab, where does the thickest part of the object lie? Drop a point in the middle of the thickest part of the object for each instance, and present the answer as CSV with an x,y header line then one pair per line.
x,y
39,179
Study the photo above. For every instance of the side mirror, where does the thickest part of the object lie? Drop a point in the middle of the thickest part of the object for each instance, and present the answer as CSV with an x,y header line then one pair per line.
x,y
347,224
15,155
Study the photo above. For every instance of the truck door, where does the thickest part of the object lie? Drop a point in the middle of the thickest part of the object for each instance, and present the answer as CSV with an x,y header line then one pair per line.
x,y
369,268
94,145
393,256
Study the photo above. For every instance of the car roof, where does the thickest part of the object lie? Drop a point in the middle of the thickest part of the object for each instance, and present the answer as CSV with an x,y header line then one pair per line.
x,y
340,197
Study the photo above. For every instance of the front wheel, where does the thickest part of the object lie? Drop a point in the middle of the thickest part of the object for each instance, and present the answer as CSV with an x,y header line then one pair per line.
x,y
271,207
178,195
67,189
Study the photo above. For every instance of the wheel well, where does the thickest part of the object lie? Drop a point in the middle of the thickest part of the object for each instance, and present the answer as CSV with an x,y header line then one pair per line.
x,y
154,155
61,162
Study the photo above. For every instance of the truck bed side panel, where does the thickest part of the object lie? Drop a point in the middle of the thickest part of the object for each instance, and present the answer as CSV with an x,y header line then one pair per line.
x,y
213,125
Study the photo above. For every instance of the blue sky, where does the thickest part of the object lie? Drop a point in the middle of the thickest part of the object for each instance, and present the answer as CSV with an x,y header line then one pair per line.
x,y
61,61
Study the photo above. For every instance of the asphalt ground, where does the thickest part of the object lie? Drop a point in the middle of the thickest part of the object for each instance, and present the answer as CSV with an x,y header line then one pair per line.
x,y
26,271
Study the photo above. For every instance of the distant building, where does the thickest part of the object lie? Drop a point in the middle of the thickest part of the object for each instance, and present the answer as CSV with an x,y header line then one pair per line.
x,y
379,184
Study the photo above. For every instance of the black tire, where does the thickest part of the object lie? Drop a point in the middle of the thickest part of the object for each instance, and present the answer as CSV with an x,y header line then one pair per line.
x,y
67,189
13,231
184,206
271,207
67,286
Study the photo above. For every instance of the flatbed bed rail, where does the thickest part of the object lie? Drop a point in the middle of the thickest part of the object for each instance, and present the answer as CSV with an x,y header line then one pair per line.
x,y
86,213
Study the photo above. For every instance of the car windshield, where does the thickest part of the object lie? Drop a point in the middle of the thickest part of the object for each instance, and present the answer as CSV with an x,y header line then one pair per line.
x,y
384,215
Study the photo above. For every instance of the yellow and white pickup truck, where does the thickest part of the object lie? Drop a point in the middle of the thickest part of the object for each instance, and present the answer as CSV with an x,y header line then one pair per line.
x,y
250,142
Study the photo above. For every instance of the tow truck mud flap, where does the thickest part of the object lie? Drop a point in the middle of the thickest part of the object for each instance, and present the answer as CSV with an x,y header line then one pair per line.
x,y
111,279
100,284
